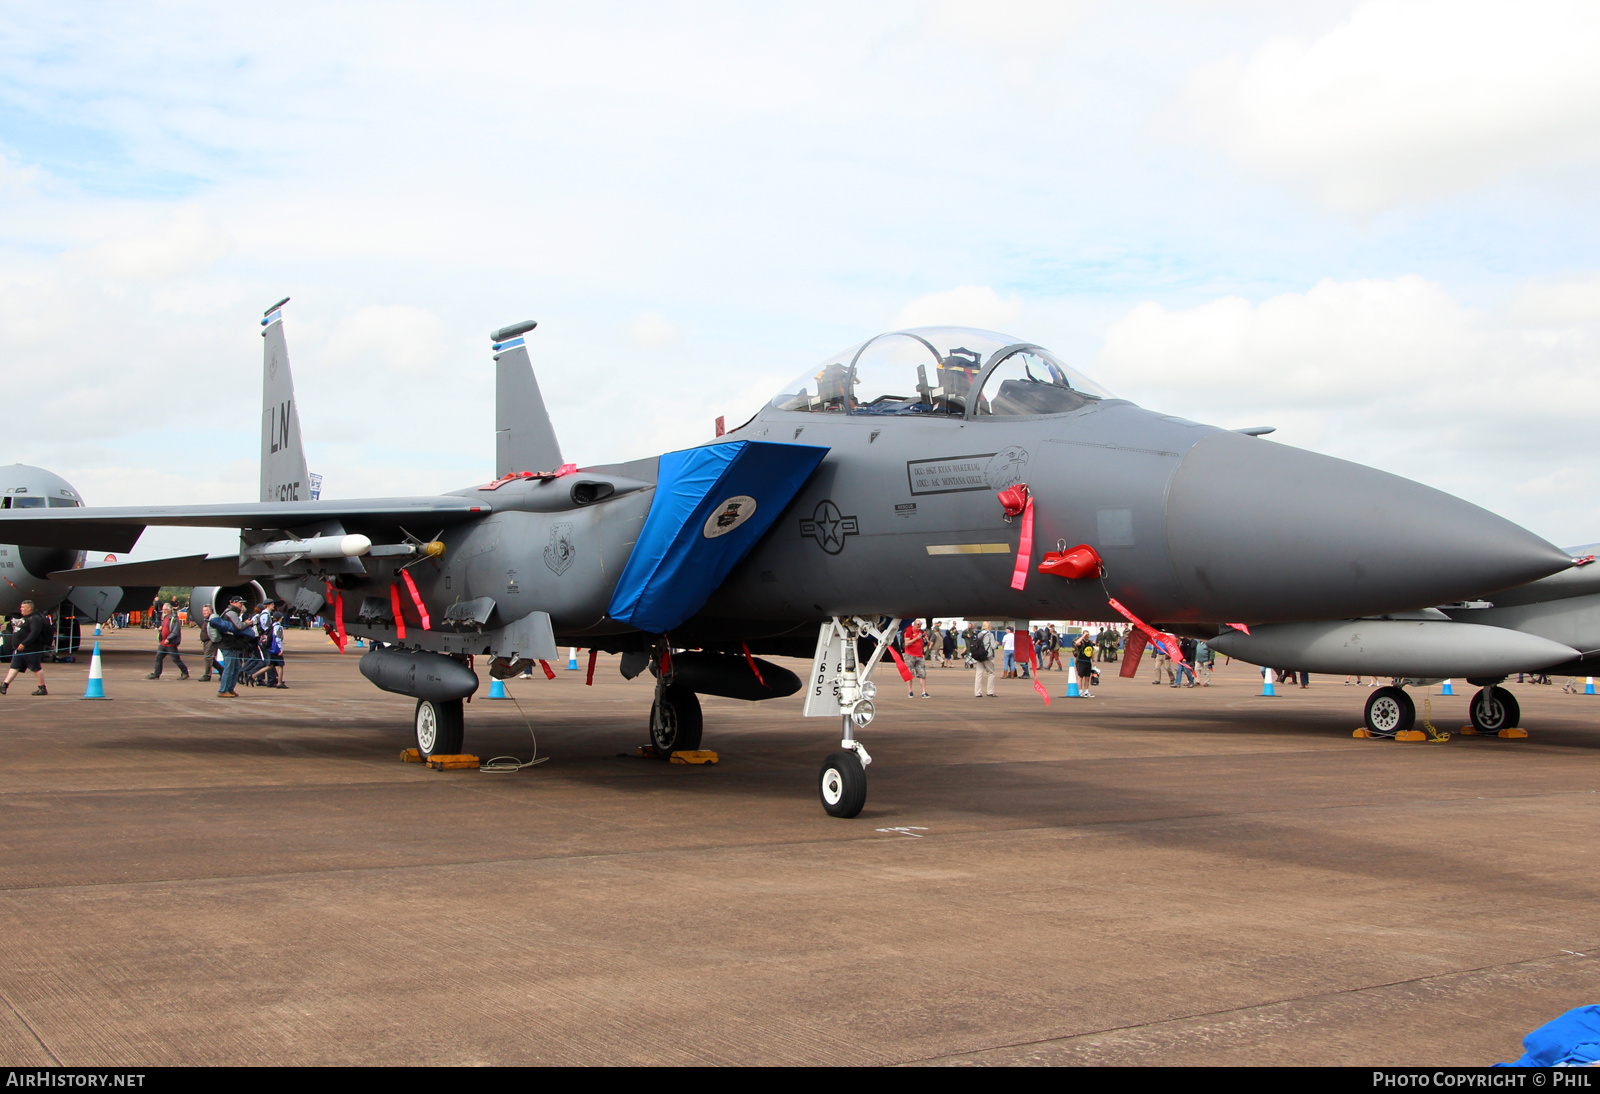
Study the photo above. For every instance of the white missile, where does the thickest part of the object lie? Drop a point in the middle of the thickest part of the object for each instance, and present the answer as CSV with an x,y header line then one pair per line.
x,y
352,546
1394,647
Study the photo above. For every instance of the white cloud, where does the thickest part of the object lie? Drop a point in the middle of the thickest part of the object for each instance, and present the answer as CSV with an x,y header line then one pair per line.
x,y
965,306
17,180
1026,24
1559,302
1414,99
186,241
651,330
383,342
1396,374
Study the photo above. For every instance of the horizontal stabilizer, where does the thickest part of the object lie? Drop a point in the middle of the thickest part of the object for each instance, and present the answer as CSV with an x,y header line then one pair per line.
x,y
186,570
117,528
711,506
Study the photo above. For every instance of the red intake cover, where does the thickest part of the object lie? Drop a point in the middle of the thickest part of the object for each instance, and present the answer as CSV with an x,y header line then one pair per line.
x,y
1082,561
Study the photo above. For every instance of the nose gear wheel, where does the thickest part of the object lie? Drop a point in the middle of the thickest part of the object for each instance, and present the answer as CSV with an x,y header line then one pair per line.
x,y
842,784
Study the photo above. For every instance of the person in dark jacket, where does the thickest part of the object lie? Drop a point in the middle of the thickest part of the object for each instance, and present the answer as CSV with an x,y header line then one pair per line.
x,y
235,641
1185,672
34,636
167,641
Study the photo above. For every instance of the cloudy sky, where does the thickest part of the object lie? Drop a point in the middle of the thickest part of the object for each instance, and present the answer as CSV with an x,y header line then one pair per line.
x,y
1373,225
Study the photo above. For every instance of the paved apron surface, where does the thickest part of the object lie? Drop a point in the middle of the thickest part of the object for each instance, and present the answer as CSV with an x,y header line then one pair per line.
x,y
1147,876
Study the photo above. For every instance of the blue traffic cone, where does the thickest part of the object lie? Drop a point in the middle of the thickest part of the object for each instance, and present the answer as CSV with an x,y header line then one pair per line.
x,y
1448,690
497,689
1073,691
97,685
97,630
361,644
1588,685
572,658
1267,676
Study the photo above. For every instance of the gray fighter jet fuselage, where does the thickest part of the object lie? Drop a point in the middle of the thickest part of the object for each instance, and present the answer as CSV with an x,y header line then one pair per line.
x,y
867,489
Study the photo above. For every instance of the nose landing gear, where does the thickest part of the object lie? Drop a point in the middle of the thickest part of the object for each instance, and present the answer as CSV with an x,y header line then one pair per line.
x,y
842,784
839,687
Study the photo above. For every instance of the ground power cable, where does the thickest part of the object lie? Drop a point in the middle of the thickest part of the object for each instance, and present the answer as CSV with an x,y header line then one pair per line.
x,y
512,763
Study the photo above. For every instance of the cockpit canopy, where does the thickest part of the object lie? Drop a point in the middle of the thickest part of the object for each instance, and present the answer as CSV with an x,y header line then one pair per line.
x,y
953,372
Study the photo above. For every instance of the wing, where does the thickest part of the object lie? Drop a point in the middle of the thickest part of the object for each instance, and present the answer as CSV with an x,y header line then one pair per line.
x,y
117,528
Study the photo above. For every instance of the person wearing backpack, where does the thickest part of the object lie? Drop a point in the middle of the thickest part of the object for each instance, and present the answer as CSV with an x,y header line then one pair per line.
x,y
235,636
981,648
36,634
168,638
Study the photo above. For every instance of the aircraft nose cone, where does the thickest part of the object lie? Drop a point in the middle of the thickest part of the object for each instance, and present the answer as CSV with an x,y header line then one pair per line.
x,y
1262,532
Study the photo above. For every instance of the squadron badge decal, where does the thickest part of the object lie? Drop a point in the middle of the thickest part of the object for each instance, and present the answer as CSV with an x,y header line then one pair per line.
x,y
729,515
559,552
829,527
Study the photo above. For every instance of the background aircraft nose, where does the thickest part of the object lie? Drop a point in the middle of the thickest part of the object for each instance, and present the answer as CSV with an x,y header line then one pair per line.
x,y
1262,532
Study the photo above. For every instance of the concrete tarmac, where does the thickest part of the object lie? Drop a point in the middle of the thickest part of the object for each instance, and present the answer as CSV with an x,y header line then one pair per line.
x,y
1148,876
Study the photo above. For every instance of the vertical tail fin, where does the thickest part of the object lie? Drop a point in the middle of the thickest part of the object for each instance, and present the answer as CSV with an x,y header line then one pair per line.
x,y
524,440
283,459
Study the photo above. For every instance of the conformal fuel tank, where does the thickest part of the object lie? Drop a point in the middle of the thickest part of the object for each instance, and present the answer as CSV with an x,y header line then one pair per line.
x,y
1393,647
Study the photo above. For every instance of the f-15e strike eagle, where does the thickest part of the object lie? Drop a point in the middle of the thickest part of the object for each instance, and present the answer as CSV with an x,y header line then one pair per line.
x,y
913,474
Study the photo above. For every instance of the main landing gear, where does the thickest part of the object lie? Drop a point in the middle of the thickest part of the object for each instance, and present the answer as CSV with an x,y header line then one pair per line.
x,y
441,725
1493,709
1389,711
675,721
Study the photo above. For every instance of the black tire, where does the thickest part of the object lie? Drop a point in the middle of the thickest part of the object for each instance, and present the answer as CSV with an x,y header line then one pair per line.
x,y
1494,709
1389,711
440,727
842,784
676,724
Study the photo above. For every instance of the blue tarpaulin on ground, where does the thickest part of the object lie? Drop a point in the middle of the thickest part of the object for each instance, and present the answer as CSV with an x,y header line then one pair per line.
x,y
1572,1040
711,506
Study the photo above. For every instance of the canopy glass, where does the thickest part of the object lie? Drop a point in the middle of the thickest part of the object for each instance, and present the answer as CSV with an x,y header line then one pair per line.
x,y
937,371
